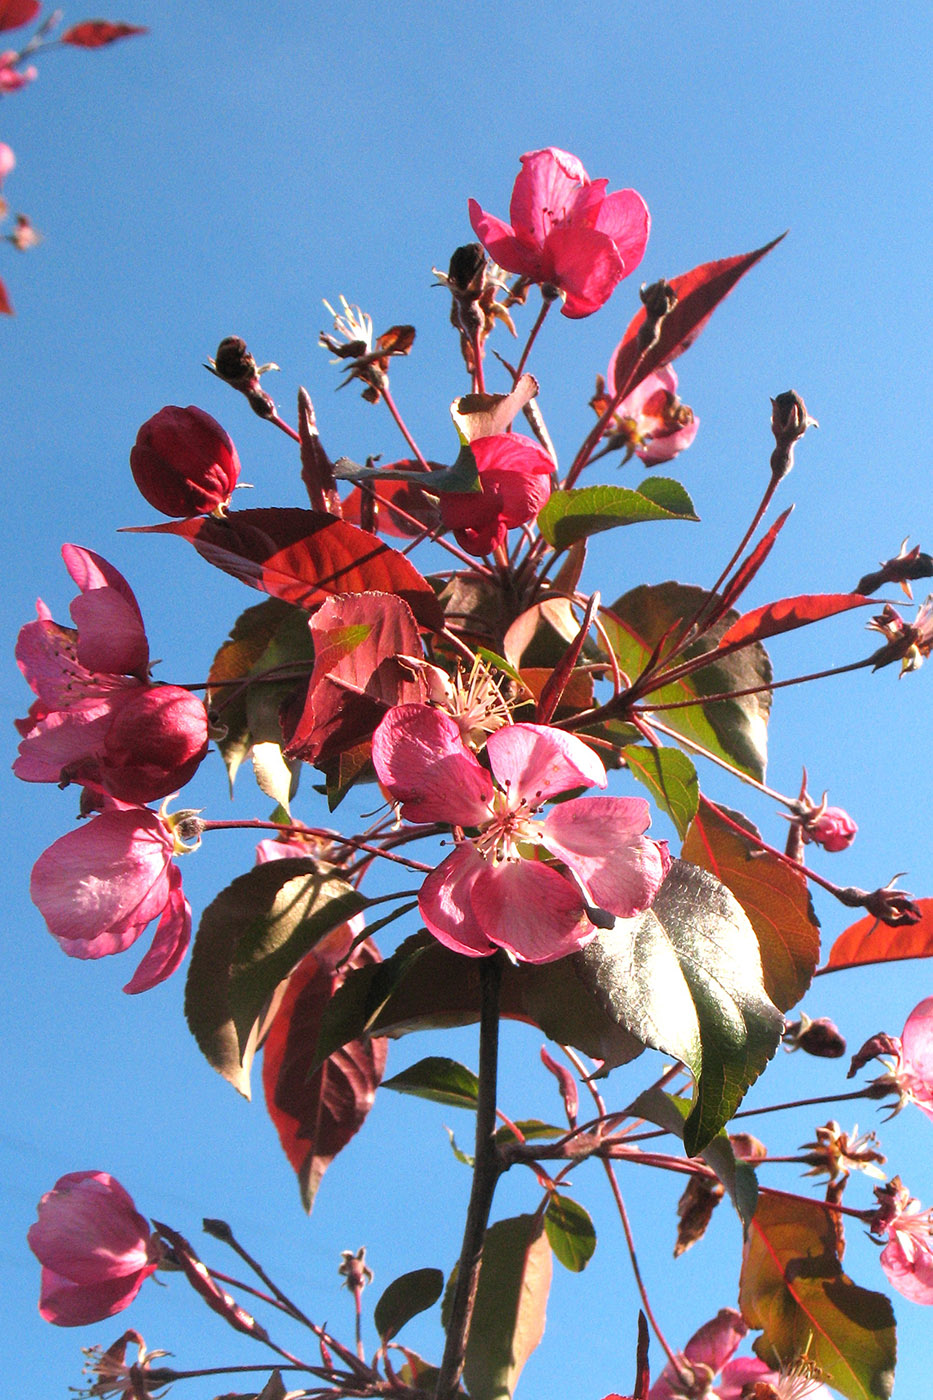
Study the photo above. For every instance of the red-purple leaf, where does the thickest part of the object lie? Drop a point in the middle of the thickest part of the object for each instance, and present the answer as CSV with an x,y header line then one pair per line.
x,y
6,306
316,1116
358,638
787,614
214,1296
870,941
95,33
302,556
15,13
736,586
699,292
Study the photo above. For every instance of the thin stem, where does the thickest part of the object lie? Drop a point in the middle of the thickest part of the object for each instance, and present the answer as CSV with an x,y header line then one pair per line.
x,y
709,657
253,824
486,1171
722,763
285,427
476,345
546,305
400,423
630,1242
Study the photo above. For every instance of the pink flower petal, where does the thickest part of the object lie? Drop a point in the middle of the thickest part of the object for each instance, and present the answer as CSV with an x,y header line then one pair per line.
x,y
110,636
544,190
624,217
68,1304
711,1346
908,1262
600,839
917,1042
89,1229
444,902
419,756
62,740
529,910
502,244
586,266
534,762
171,940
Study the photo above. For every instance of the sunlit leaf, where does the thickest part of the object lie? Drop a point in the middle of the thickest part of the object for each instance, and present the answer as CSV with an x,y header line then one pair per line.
x,y
508,1317
788,614
574,515
670,777
734,729
250,938
438,1079
775,898
317,1113
685,977
482,415
302,556
699,292
793,1287
871,941
570,1232
405,1298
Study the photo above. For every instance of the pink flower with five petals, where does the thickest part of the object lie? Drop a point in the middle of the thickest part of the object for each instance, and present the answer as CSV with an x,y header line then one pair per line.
x,y
99,886
498,889
566,230
95,1249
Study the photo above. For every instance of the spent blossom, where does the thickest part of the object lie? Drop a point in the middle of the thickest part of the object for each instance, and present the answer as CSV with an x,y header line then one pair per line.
x,y
907,1258
99,887
566,231
909,643
95,1249
909,1070
498,889
119,1379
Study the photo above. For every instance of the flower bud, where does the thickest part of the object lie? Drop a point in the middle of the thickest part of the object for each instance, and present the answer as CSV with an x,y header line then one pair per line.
x,y
820,1037
184,463
789,421
155,743
831,828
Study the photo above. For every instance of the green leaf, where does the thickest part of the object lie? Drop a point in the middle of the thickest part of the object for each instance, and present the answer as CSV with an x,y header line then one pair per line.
x,y
670,1112
570,516
670,777
686,978
530,1128
424,986
461,477
775,898
438,1079
793,1287
405,1298
250,938
508,1317
570,1232
736,730
461,1156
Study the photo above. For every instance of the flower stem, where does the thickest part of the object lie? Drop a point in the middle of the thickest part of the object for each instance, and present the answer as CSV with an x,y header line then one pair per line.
x,y
400,423
487,1168
532,337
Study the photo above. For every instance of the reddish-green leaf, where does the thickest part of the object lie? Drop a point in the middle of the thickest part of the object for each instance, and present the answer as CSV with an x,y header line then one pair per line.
x,y
787,614
870,941
686,978
316,1114
405,1298
732,729
570,516
735,586
15,13
438,1079
249,939
358,639
699,292
508,1317
6,306
669,775
775,898
793,1287
94,33
301,556
570,1232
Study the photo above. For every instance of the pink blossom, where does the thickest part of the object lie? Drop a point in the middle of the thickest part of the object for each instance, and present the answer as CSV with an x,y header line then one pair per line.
x,y
831,828
566,231
12,78
710,1354
498,890
97,719
99,886
907,1258
651,421
515,475
910,1068
7,161
94,1247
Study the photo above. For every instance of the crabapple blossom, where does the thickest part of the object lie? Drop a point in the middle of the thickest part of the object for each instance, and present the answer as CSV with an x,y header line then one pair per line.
x,y
566,231
497,890
99,886
907,1258
910,1068
710,1354
95,1249
651,422
832,828
11,78
515,475
184,463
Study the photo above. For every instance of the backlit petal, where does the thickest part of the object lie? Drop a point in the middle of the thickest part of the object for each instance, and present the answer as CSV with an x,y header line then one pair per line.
x,y
535,762
419,756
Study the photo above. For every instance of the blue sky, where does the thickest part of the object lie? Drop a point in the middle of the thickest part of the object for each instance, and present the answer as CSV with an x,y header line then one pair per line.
x,y
223,175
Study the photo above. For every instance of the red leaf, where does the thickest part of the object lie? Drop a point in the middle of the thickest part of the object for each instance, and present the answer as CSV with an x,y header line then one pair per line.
x,y
95,33
870,941
6,306
302,556
213,1294
736,586
358,638
699,292
316,1117
14,13
788,614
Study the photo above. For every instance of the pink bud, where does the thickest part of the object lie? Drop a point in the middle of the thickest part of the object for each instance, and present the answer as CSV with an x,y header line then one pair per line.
x,y
155,742
94,1247
833,829
184,463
